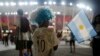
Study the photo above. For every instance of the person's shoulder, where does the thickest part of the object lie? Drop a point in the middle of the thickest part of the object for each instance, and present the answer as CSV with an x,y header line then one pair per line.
x,y
50,30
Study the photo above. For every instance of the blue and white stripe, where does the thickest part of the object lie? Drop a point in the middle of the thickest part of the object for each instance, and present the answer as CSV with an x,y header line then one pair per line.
x,y
87,30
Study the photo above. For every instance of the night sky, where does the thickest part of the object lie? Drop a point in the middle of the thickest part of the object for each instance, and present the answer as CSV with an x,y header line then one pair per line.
x,y
95,4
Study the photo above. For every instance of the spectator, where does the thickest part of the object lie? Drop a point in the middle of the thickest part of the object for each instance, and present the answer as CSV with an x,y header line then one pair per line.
x,y
22,32
72,43
96,40
44,38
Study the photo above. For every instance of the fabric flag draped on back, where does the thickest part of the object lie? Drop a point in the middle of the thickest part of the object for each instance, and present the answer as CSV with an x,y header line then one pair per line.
x,y
81,27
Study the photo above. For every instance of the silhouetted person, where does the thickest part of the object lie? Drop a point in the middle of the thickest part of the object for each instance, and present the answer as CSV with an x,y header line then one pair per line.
x,y
72,43
96,39
5,39
23,32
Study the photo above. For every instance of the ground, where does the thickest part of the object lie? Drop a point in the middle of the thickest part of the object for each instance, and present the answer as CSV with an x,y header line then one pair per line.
x,y
63,50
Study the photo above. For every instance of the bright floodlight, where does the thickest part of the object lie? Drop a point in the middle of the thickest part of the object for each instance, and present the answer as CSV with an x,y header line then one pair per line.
x,y
58,13
81,6
12,13
54,3
2,31
63,3
31,3
6,4
6,13
12,3
0,13
50,2
25,3
11,31
1,3
7,31
35,3
26,12
15,13
88,8
45,3
70,4
20,3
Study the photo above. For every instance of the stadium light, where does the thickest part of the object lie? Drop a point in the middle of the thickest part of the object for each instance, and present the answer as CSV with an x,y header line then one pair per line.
x,y
45,3
31,3
26,12
7,31
12,13
2,31
50,2
80,5
70,4
11,31
6,4
12,3
1,3
35,3
88,8
25,3
15,13
58,13
54,3
20,3
63,3
6,13
0,13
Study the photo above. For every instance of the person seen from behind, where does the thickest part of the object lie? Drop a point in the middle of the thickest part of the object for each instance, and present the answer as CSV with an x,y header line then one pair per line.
x,y
44,38
72,43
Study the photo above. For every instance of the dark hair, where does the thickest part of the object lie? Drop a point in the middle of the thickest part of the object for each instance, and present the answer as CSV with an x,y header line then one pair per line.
x,y
20,12
95,22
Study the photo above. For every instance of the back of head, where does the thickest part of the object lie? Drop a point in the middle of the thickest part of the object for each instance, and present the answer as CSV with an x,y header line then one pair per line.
x,y
96,20
41,16
96,24
20,12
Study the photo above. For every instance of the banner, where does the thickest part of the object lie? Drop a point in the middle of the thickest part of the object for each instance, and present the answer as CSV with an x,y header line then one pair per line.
x,y
81,27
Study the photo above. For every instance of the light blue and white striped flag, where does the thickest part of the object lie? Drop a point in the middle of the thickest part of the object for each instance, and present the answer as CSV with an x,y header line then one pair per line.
x,y
81,27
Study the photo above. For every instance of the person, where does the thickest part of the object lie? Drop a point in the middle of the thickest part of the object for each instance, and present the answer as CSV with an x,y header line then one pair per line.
x,y
95,43
23,29
44,38
5,36
59,34
72,43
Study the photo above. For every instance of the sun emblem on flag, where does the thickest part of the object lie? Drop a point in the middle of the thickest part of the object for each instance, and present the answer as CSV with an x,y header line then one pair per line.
x,y
81,27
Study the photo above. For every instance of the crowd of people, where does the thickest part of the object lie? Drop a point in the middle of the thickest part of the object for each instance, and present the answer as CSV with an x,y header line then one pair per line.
x,y
34,38
45,40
